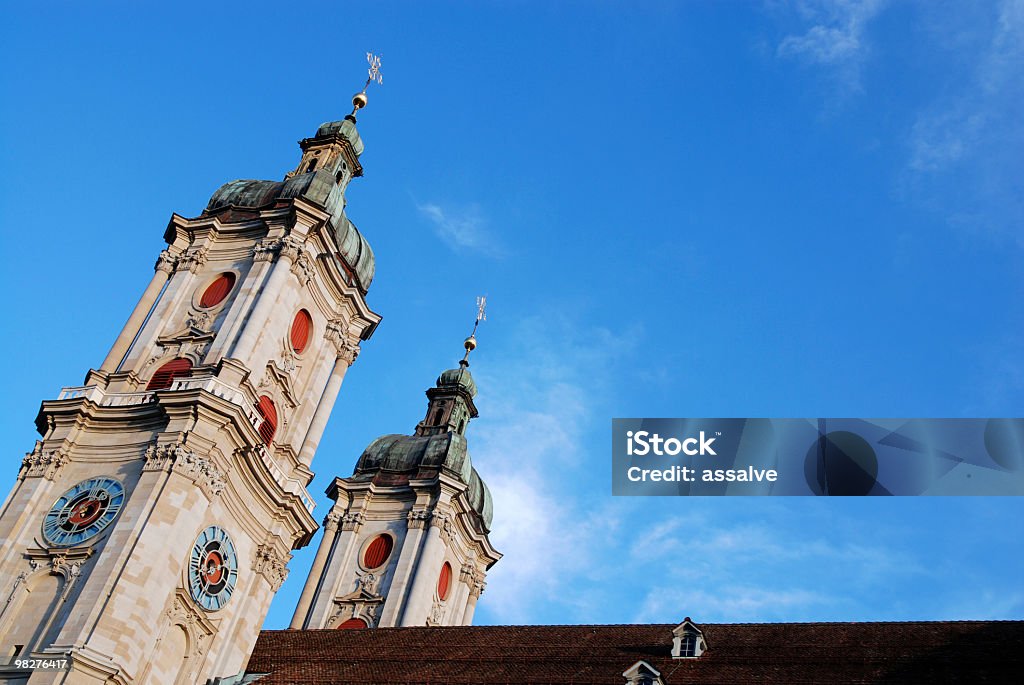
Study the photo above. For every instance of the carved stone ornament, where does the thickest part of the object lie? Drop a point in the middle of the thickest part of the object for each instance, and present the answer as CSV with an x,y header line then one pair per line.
x,y
38,464
165,262
198,320
368,611
369,582
302,267
267,249
332,519
194,259
174,457
477,588
199,628
348,349
443,522
271,565
352,520
436,614
418,518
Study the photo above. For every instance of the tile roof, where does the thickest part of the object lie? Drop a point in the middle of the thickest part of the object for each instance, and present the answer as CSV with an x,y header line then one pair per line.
x,y
791,653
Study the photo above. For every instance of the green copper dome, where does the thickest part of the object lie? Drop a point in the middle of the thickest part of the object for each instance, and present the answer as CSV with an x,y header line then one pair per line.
x,y
395,459
460,377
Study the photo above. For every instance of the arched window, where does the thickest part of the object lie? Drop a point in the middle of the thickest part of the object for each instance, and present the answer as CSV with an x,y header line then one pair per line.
x,y
377,552
267,410
353,624
444,581
165,375
312,164
302,324
218,290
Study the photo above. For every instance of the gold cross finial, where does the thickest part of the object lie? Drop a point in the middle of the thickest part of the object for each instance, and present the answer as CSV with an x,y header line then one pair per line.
x,y
373,74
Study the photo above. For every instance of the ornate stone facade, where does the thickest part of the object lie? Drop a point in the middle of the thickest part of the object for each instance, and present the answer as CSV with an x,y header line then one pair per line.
x,y
152,523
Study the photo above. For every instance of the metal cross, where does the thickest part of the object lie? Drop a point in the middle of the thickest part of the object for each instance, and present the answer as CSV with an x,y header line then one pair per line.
x,y
481,306
373,71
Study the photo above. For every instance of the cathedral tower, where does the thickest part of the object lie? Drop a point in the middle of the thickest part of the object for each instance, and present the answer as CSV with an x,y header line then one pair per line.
x,y
151,525
406,542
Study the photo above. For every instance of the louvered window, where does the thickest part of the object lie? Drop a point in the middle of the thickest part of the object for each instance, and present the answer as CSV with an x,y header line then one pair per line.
x,y
165,375
267,410
218,290
444,581
377,552
301,327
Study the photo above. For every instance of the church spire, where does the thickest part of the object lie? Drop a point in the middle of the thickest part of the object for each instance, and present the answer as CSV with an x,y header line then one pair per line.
x,y
451,401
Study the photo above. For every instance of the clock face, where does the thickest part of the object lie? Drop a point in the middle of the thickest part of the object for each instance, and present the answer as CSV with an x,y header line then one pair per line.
x,y
212,569
83,511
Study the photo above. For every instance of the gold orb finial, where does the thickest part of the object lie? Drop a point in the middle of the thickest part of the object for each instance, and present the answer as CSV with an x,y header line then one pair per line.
x,y
470,343
359,99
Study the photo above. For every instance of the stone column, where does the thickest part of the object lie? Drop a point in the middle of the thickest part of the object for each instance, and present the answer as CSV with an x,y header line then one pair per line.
x,y
164,268
347,353
286,249
317,570
340,560
421,594
474,594
417,520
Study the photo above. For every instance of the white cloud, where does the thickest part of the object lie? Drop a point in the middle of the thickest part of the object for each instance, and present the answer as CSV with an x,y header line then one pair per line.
x,y
965,148
529,450
461,228
835,38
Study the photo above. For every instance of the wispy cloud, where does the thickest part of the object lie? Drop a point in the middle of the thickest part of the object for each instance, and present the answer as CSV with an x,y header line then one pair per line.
x,y
530,451
834,37
965,149
461,228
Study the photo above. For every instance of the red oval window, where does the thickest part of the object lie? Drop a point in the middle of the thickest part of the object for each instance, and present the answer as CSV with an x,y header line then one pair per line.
x,y
301,327
165,375
353,624
218,290
267,410
377,552
444,581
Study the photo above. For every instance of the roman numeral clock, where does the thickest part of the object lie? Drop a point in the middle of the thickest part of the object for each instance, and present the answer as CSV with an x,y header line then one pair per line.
x,y
212,569
83,511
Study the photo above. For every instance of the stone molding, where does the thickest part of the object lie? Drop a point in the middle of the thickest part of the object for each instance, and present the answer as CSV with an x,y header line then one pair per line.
x,y
271,565
39,464
353,520
166,262
353,608
445,526
268,249
348,348
185,614
174,457
193,259
302,267
418,518
332,520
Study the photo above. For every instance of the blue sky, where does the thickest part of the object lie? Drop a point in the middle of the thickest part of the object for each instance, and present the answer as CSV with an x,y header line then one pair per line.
x,y
676,209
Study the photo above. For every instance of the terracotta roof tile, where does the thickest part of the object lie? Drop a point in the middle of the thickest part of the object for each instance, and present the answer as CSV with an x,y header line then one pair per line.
x,y
791,653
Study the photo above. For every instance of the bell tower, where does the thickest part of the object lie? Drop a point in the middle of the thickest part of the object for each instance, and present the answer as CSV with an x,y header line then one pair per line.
x,y
407,540
152,523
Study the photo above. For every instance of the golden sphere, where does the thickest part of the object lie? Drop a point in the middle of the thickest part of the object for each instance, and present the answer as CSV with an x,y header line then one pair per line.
x,y
470,343
359,100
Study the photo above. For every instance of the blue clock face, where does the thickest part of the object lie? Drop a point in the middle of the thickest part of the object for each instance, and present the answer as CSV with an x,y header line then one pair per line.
x,y
83,511
212,569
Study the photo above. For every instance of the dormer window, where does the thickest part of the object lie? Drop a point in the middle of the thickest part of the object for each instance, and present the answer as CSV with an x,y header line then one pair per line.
x,y
687,640
642,673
